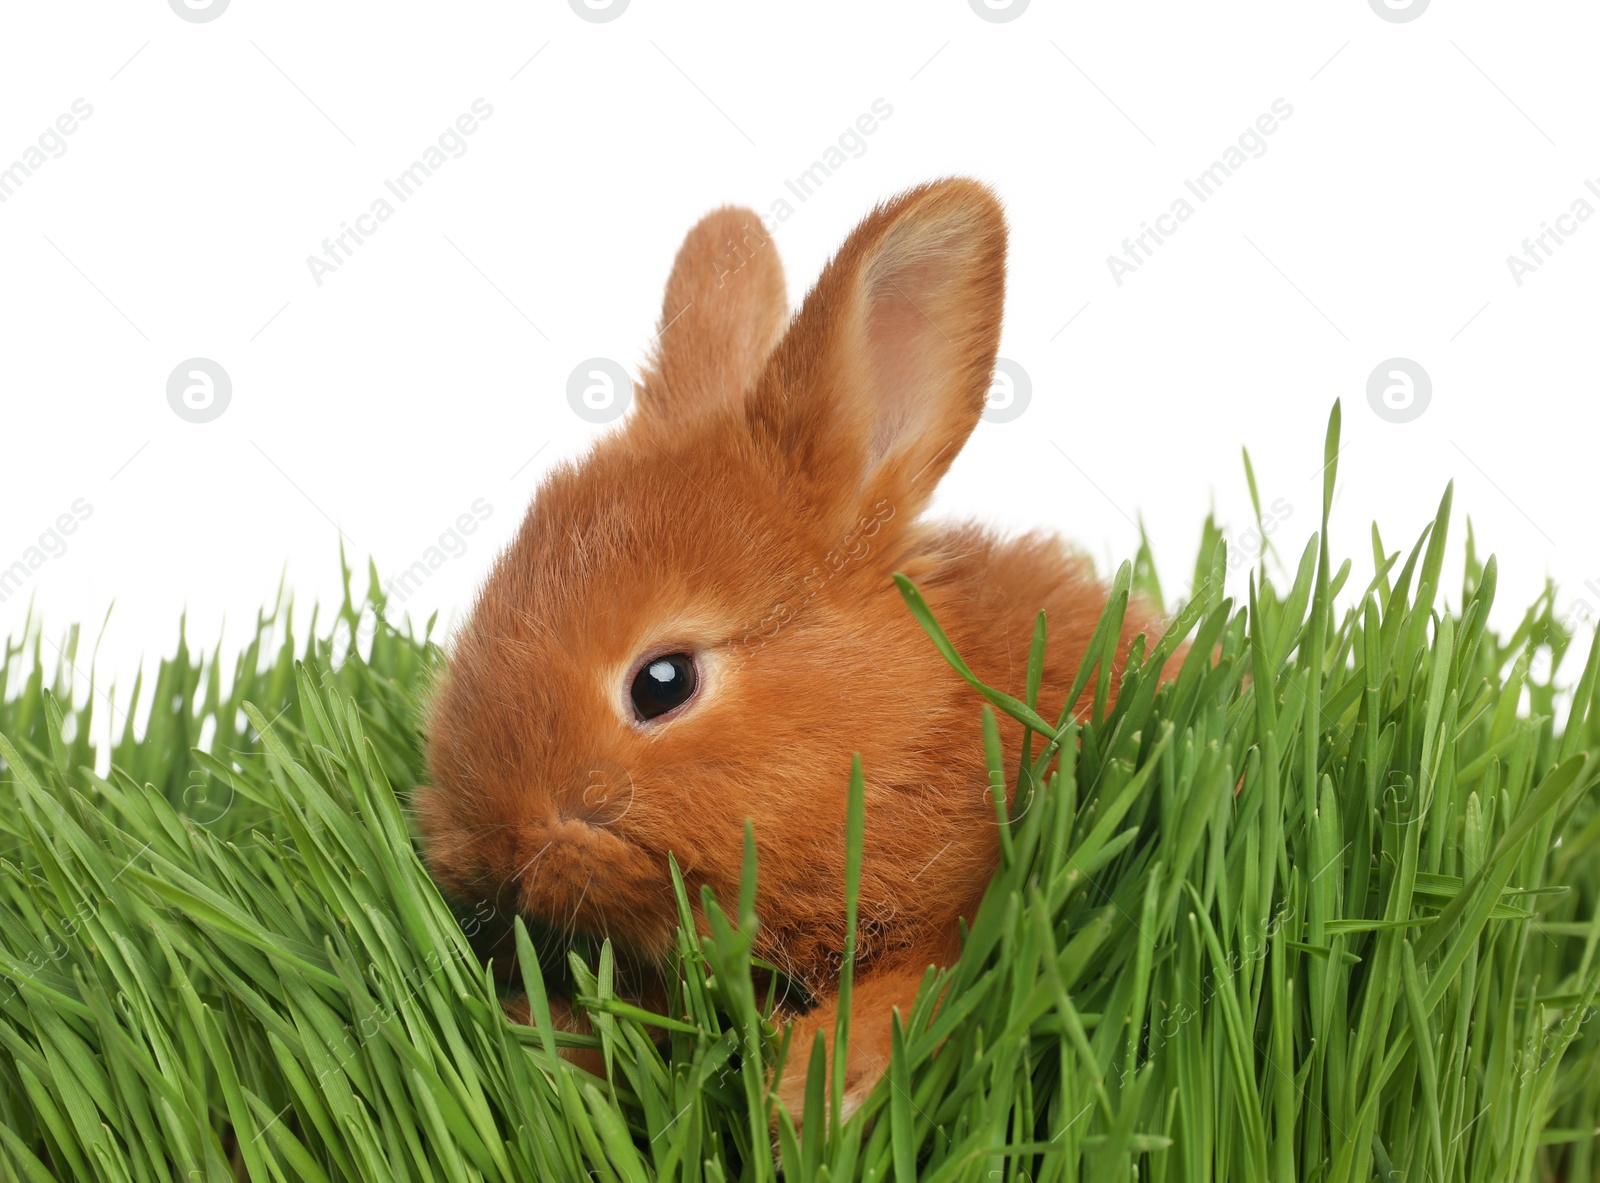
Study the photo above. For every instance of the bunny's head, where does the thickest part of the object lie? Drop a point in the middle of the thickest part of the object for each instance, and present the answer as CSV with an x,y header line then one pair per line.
x,y
696,622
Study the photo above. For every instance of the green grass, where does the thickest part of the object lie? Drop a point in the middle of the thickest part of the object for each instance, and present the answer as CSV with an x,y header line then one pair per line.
x,y
1322,908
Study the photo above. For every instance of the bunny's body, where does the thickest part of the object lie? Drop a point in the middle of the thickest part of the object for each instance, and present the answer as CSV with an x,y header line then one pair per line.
x,y
738,538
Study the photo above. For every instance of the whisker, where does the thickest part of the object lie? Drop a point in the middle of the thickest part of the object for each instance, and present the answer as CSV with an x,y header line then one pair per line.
x,y
523,870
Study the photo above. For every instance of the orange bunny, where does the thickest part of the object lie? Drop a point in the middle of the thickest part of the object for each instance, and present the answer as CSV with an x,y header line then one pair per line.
x,y
702,609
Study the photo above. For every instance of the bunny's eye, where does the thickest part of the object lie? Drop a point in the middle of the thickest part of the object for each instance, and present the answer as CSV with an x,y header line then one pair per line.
x,y
663,685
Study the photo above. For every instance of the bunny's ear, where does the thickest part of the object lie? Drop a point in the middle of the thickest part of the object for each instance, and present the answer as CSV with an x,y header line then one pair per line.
x,y
725,309
885,371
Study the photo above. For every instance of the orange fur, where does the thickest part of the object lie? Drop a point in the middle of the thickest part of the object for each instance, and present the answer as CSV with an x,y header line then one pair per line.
x,y
752,511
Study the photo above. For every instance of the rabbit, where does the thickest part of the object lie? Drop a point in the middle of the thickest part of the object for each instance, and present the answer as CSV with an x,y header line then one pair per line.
x,y
697,624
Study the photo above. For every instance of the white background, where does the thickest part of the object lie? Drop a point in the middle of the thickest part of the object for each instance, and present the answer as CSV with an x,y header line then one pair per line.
x,y
426,372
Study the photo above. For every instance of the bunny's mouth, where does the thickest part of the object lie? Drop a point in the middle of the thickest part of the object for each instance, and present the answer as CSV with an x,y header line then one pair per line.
x,y
580,875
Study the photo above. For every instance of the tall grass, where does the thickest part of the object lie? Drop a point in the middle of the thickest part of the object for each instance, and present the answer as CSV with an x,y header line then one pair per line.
x,y
1321,908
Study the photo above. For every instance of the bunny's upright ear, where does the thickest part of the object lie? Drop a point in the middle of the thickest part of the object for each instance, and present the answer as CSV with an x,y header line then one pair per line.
x,y
885,371
725,309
